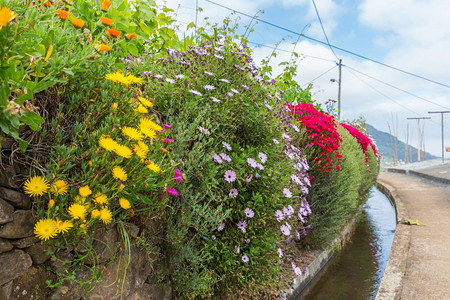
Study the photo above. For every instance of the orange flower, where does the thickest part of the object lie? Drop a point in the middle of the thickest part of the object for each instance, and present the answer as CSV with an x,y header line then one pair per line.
x,y
6,15
131,35
48,4
78,23
103,47
106,21
63,14
105,4
113,32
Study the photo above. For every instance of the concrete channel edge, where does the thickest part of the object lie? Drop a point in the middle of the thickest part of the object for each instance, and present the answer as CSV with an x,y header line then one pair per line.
x,y
391,282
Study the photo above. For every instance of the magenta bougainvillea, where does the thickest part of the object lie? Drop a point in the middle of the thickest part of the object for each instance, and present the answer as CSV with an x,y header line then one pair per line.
x,y
362,139
322,130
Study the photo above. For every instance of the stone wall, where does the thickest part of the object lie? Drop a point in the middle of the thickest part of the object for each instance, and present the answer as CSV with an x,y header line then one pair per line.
x,y
26,266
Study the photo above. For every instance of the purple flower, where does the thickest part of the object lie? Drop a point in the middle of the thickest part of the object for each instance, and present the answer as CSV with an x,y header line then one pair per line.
x,y
238,67
158,76
237,250
287,193
280,253
248,241
295,179
249,212
295,128
297,235
235,91
242,225
286,212
245,87
275,141
215,100
280,216
224,80
200,51
233,193
230,176
209,87
221,227
169,80
179,76
262,157
226,146
259,166
172,192
257,176
217,158
285,230
204,130
286,137
218,56
300,216
251,162
273,81
177,175
209,73
249,178
230,94
225,157
245,258
268,106
195,93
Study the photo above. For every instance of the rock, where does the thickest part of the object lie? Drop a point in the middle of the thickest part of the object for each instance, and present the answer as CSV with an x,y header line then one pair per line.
x,y
5,291
152,292
20,227
13,264
105,244
32,285
6,212
6,142
5,246
8,177
62,261
38,253
131,229
17,199
71,290
136,274
25,242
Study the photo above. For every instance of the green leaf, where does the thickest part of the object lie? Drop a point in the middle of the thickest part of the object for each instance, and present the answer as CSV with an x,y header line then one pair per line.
x,y
132,49
32,119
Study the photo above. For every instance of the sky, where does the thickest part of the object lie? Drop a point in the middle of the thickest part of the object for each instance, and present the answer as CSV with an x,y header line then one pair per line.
x,y
411,35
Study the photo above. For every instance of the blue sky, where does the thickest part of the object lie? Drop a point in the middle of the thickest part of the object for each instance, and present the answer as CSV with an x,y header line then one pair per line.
x,y
413,35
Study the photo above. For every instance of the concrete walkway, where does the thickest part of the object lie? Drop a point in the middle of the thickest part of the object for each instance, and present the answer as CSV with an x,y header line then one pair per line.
x,y
419,264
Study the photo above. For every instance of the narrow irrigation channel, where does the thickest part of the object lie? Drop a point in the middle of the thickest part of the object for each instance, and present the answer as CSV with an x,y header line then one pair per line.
x,y
356,272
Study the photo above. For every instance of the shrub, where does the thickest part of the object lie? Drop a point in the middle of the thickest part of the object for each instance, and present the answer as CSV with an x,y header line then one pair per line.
x,y
244,182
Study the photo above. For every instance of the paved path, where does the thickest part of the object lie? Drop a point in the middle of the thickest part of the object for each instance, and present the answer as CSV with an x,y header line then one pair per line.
x,y
419,265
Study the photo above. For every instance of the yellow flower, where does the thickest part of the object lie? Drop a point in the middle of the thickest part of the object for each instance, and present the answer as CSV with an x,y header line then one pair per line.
x,y
124,203
132,133
59,187
100,198
108,143
114,106
95,213
77,211
134,79
147,131
83,228
121,186
119,173
63,226
84,191
45,229
51,203
146,122
123,151
141,108
118,77
6,16
141,149
105,215
145,102
36,186
152,166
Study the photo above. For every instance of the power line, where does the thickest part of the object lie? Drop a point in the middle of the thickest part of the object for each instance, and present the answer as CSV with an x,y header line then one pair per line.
x,y
335,47
320,75
323,29
397,88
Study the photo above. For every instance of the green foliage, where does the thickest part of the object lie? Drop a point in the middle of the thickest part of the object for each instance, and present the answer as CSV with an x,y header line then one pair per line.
x,y
335,197
206,259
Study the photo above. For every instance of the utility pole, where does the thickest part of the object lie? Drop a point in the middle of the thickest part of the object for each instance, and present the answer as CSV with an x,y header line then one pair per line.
x,y
419,136
339,89
442,127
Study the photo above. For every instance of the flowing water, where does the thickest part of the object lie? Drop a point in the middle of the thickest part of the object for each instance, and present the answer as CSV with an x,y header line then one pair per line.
x,y
356,272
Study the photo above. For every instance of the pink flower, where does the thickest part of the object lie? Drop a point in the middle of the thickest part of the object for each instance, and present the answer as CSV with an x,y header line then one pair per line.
x,y
167,126
177,175
172,192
